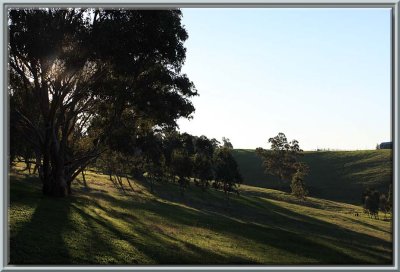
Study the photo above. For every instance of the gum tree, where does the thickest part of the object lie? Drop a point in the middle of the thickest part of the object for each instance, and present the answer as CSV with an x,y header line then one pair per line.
x,y
79,70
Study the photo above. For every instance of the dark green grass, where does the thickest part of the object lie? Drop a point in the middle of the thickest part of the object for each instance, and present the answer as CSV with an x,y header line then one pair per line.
x,y
335,175
261,226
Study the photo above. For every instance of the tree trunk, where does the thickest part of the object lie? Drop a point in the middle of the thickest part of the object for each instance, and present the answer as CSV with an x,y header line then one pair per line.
x,y
110,173
28,166
129,183
45,173
38,163
84,179
119,179
53,177
56,186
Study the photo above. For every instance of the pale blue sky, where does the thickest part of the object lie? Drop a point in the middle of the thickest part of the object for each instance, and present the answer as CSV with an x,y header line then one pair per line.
x,y
321,76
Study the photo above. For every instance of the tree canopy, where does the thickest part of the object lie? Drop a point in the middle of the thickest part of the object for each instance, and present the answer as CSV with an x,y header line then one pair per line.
x,y
86,80
282,160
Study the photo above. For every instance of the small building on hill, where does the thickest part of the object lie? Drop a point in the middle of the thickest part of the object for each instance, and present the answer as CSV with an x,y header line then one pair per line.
x,y
386,145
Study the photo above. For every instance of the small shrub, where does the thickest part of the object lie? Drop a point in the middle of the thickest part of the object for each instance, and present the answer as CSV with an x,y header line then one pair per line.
x,y
298,185
371,199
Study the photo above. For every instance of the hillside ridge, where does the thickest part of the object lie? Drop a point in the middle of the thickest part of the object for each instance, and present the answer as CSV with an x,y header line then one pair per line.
x,y
334,175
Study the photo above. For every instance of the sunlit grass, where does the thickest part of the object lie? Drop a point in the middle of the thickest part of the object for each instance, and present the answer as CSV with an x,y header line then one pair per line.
x,y
261,226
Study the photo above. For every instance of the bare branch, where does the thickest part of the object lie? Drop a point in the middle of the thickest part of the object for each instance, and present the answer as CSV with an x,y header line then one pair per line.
x,y
31,125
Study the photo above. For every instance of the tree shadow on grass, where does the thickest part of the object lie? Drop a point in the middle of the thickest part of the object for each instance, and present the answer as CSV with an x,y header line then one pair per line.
x,y
282,228
338,236
40,240
278,236
252,220
156,246
357,221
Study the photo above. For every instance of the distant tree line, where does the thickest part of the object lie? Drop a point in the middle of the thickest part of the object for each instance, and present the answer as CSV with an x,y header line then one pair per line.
x,y
178,158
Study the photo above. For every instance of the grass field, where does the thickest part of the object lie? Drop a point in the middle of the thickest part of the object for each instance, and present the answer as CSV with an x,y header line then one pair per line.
x,y
261,226
334,175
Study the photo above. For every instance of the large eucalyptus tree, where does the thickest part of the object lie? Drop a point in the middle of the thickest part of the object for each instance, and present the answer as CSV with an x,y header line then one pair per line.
x,y
83,80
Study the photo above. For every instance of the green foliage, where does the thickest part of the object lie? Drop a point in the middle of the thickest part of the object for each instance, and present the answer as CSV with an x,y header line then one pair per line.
x,y
203,169
203,165
384,204
104,88
182,167
298,185
375,201
371,201
227,143
110,76
281,160
227,175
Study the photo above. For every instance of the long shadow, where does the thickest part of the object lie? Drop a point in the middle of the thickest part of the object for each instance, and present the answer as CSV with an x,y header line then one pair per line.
x,y
161,247
283,228
303,222
369,225
265,225
40,240
276,237
315,225
158,247
97,246
266,222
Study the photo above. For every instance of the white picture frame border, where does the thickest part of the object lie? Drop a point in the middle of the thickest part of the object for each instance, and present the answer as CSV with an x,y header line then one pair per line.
x,y
4,169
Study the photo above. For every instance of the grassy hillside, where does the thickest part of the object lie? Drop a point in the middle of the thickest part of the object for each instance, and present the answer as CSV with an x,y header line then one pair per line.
x,y
261,226
335,175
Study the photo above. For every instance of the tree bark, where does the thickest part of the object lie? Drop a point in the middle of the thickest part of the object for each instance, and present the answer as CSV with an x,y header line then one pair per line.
x,y
55,183
54,175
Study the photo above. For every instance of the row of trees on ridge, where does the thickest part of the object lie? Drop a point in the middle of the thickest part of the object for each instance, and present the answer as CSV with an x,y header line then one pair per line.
x,y
178,158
